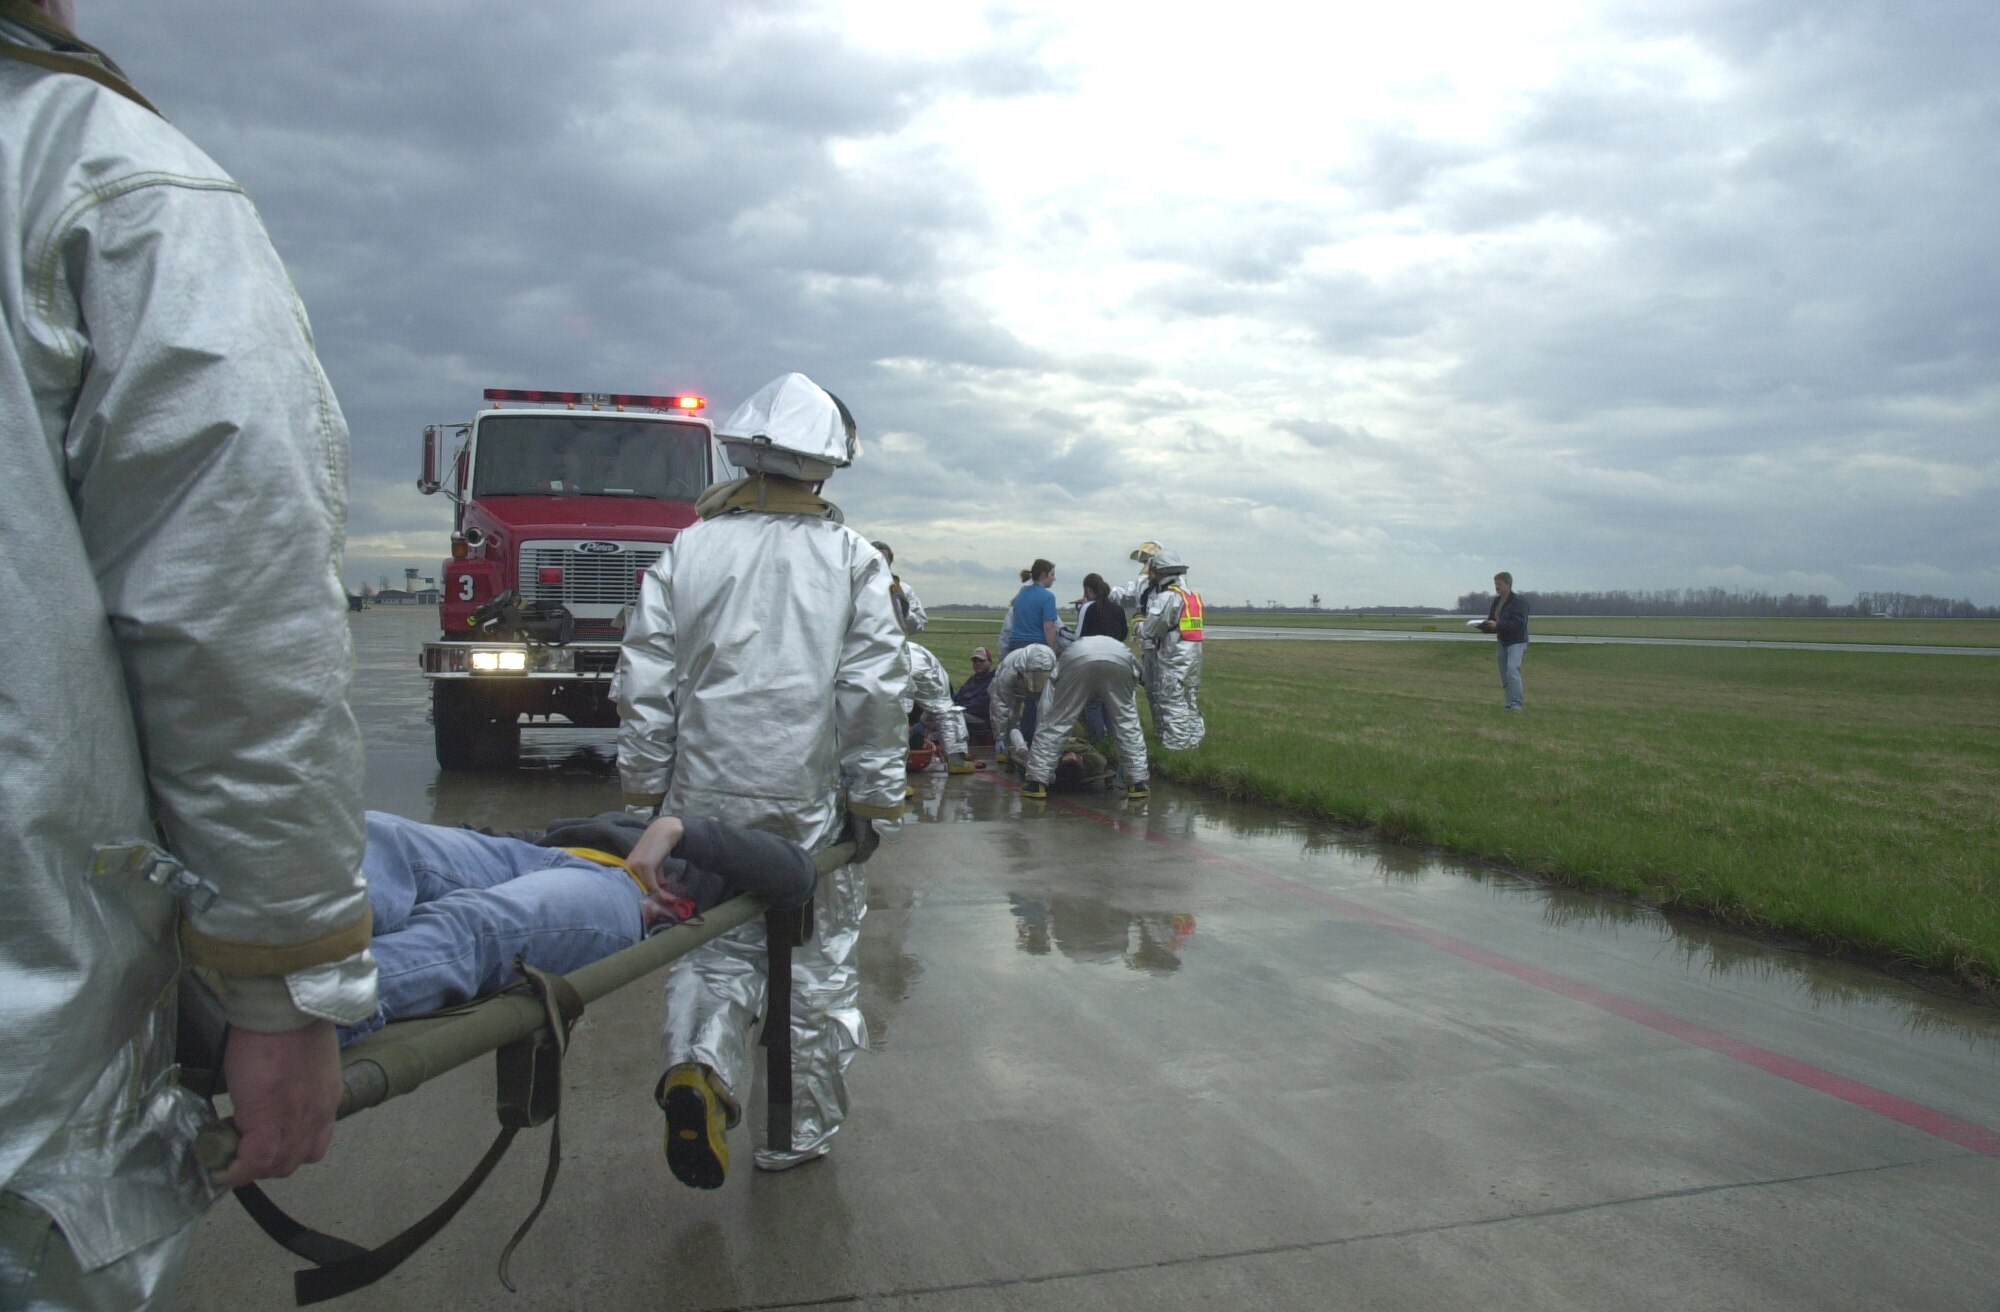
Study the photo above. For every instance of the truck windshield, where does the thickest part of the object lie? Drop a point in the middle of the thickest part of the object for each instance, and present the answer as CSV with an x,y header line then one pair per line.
x,y
589,455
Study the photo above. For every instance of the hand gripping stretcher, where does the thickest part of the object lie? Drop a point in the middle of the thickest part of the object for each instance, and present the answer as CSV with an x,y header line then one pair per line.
x,y
527,1028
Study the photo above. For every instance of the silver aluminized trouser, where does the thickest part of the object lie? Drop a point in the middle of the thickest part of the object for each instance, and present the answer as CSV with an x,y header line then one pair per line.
x,y
1173,685
715,995
931,689
1091,667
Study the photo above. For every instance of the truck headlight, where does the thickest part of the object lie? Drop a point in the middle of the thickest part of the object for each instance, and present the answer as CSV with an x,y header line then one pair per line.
x,y
491,662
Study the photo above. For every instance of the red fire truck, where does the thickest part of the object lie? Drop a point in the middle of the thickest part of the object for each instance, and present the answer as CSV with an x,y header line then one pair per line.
x,y
562,500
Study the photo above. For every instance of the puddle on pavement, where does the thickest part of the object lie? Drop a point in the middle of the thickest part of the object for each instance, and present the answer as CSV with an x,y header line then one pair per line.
x,y
568,772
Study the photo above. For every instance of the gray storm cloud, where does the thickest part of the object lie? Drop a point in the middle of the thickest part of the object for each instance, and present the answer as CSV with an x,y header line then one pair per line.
x,y
1734,323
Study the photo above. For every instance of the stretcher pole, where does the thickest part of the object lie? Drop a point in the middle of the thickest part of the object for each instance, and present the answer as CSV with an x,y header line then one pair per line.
x,y
400,1058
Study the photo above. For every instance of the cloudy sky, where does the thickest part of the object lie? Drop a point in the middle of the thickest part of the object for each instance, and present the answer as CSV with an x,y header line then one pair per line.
x,y
1358,300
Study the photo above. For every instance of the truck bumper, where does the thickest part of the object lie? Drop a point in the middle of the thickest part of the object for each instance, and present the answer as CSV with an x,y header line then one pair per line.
x,y
501,662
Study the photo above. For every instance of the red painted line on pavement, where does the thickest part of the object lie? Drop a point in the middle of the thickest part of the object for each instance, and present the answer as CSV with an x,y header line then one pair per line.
x,y
1931,1121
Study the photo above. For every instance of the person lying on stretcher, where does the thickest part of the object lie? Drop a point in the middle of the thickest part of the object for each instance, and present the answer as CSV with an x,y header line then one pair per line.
x,y
454,908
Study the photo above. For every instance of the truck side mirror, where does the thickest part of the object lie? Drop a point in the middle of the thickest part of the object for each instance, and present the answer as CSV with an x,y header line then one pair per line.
x,y
427,481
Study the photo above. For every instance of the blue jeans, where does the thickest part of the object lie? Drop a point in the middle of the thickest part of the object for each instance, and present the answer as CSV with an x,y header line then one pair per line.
x,y
453,909
1510,672
1096,720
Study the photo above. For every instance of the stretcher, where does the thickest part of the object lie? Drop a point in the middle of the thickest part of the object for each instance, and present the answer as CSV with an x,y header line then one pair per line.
x,y
527,1028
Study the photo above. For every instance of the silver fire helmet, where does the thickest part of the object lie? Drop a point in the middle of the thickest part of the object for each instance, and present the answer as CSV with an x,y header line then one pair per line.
x,y
792,427
1165,561
1143,553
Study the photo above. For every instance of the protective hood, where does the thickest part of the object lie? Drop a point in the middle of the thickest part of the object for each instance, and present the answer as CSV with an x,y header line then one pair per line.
x,y
792,427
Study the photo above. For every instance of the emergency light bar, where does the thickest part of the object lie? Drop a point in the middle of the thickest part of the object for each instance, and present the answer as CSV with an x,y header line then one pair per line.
x,y
683,401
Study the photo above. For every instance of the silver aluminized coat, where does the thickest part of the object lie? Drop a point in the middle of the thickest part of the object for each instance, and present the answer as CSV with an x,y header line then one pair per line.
x,y
930,688
764,677
1007,696
1090,667
178,653
1173,671
909,607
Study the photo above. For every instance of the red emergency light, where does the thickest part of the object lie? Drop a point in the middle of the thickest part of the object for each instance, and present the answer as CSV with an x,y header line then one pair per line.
x,y
551,574
682,401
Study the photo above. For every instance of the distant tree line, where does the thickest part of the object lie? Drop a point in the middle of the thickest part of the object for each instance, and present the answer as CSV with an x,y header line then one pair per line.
x,y
1720,601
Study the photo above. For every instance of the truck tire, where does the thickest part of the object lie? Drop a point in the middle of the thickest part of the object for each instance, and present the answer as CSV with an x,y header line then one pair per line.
x,y
470,735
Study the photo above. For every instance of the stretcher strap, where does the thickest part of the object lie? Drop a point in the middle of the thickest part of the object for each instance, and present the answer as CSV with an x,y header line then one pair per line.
x,y
340,1267
779,928
348,1274
563,1006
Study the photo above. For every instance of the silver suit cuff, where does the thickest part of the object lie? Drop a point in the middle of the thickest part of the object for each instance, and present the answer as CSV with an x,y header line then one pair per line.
x,y
340,991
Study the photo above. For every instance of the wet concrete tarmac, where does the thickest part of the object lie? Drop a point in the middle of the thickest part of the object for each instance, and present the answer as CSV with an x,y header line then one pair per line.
x,y
1181,1054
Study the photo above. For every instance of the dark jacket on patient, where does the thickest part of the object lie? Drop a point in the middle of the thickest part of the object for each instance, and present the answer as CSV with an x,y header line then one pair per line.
x,y
713,863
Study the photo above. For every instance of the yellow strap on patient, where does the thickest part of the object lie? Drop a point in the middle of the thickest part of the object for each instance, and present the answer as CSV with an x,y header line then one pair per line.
x,y
606,859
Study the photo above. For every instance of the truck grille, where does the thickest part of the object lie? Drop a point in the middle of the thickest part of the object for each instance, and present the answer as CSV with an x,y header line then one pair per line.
x,y
611,579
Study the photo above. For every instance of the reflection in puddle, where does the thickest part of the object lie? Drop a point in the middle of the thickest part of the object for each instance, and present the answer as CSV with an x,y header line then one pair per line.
x,y
1935,1006
1095,933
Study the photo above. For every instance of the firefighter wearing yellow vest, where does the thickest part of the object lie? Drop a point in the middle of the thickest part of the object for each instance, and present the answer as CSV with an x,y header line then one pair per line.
x,y
1171,636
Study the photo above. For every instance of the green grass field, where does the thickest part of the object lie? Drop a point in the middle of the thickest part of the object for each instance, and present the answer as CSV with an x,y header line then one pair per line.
x,y
1850,798
1901,633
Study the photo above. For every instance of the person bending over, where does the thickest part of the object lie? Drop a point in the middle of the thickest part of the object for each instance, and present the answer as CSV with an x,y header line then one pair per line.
x,y
930,688
1094,668
1016,689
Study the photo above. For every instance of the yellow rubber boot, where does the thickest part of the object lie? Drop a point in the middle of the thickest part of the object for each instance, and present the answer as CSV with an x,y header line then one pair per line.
x,y
957,764
697,1127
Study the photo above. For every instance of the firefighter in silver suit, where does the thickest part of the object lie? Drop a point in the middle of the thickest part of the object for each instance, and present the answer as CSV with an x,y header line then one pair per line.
x,y
762,683
1023,675
1139,591
182,775
1090,667
930,688
1171,635
910,612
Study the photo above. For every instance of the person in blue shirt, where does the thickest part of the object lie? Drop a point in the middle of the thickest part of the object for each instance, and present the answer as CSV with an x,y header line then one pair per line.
x,y
1034,613
1035,609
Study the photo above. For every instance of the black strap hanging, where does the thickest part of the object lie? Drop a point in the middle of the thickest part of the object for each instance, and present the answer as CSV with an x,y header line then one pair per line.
x,y
528,1079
